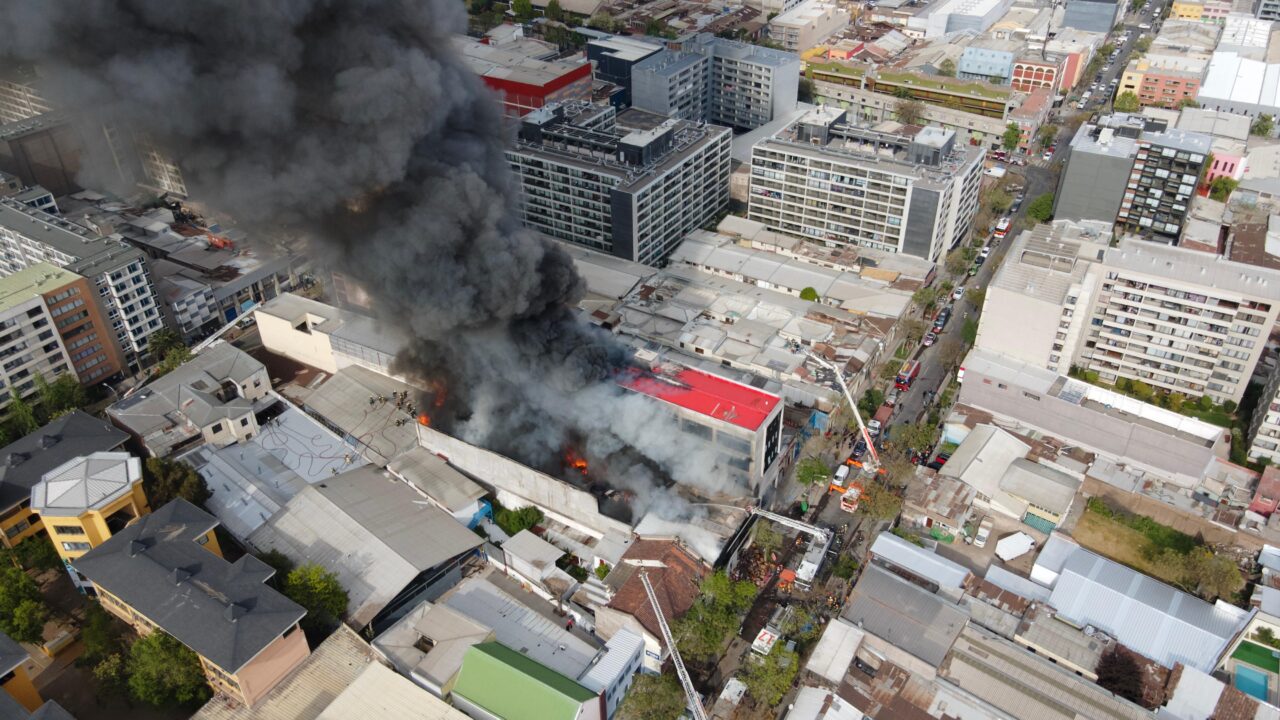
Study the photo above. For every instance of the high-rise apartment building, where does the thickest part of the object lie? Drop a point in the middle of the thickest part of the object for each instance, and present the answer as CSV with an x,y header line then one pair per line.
x,y
51,324
118,271
20,97
1179,320
827,179
631,185
613,57
1132,170
735,84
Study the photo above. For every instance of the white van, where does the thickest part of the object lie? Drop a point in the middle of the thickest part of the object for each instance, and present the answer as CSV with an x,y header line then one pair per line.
x,y
984,532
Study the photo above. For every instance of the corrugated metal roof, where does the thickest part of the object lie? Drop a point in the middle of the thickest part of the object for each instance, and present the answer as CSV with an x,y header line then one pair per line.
x,y
438,479
507,684
919,561
619,652
905,615
984,457
1016,584
1151,618
1040,485
380,693
308,690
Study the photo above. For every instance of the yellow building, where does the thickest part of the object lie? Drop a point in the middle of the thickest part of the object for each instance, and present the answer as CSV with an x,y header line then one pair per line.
x,y
14,677
1186,10
165,572
86,500
24,463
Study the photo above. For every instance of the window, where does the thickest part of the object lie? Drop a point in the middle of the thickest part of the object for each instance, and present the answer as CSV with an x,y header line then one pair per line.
x,y
217,428
244,422
68,530
75,546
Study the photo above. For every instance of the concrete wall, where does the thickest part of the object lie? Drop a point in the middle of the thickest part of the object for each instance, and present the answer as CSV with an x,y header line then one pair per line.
x,y
1092,186
1166,514
517,485
280,337
268,667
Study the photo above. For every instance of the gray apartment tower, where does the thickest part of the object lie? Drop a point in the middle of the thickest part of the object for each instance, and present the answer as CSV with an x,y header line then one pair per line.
x,y
1134,171
630,184
829,180
713,80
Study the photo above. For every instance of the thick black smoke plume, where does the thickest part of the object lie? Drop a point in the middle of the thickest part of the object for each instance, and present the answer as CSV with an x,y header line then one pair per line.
x,y
357,122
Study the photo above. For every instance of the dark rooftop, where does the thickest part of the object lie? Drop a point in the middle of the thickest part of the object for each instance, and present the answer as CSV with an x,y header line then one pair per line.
x,y
222,610
1249,245
24,462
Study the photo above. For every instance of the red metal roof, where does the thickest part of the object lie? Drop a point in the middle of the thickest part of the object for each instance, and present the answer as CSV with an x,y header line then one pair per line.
x,y
709,395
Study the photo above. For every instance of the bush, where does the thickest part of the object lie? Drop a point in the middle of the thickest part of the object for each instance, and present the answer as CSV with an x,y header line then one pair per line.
x,y
513,521
845,567
319,592
809,294
162,671
1041,209
1099,506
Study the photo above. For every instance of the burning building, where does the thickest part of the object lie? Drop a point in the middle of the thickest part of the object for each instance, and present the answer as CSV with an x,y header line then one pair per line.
x,y
742,424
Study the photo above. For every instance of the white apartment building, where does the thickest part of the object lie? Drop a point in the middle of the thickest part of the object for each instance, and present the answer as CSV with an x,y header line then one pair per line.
x,y
1264,427
29,342
808,24
1179,320
631,185
19,97
1033,311
118,270
825,179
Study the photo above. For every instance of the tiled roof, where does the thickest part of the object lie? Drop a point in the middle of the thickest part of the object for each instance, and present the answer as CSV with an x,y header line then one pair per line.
x,y
676,583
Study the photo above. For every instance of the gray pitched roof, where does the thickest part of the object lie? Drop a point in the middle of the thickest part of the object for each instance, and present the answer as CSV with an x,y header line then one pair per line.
x,y
85,483
11,654
221,610
24,462
904,615
51,710
190,392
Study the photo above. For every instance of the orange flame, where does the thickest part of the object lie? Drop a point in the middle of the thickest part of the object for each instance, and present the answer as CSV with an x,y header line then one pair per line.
x,y
575,461
424,420
441,393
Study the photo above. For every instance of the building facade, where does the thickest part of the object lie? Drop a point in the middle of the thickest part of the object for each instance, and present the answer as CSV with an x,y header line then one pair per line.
x,y
1179,320
739,85
119,273
524,78
630,185
1092,15
1030,73
831,181
1166,171
613,57
807,25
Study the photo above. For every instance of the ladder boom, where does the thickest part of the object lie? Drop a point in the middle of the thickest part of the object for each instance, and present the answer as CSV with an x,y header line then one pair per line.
x,y
695,704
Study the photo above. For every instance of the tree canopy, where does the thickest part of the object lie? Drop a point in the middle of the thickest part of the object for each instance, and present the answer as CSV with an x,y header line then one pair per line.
x,y
319,591
653,697
809,294
1041,209
812,470
22,609
1264,126
947,68
163,671
1222,187
1119,672
1127,102
702,632
164,480
879,502
523,9
513,521
909,111
769,678
554,11
1012,137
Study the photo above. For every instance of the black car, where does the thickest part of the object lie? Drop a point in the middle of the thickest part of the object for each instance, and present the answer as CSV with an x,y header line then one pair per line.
x,y
940,321
859,449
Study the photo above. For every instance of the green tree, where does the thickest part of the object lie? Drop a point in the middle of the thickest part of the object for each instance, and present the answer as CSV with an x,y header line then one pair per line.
x,y
1175,401
166,480
902,93
999,201
769,678
1214,576
21,616
63,394
913,329
809,294
804,92
1141,390
37,553
1143,45
1047,134
602,570
110,672
22,419
908,111
279,562
845,567
163,671
969,332
1012,137
653,697
702,632
554,11
604,22
319,591
100,634
513,521
812,470
925,298
879,502
170,361
523,9
765,537
1221,188
956,262
947,68
976,297
162,341
1127,102
1041,209
870,402
1263,126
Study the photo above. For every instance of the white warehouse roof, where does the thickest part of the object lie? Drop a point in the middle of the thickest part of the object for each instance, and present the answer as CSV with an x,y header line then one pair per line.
x,y
919,561
1234,78
1147,616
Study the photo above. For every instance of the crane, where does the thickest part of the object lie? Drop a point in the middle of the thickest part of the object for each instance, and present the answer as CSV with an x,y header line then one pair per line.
x,y
820,535
695,703
874,465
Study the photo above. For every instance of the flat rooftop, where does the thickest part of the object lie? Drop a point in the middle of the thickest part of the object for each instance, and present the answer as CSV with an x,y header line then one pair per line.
x,y
33,282
710,395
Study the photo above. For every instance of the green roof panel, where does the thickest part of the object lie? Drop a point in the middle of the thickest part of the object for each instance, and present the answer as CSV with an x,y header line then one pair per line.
x,y
510,685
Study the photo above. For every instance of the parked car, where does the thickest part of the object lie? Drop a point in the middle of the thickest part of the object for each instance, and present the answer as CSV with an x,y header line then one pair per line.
x,y
929,339
984,532
940,320
986,253
957,293
891,398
